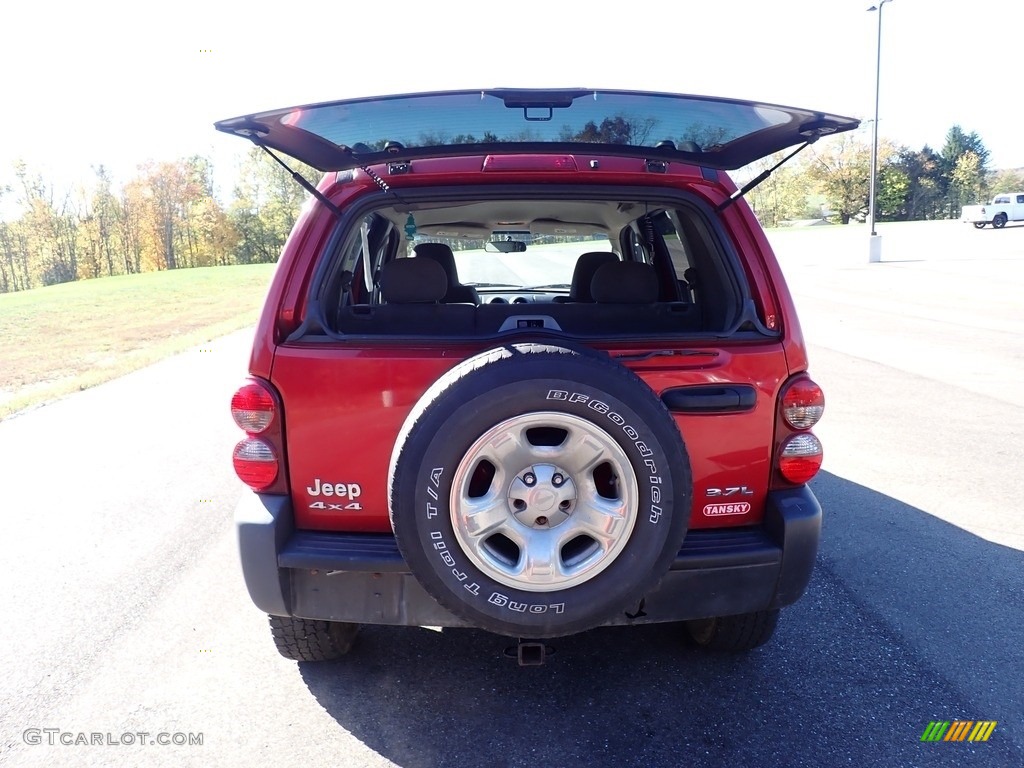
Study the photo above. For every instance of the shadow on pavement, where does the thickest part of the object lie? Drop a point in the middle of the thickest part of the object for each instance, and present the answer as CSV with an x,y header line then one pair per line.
x,y
897,629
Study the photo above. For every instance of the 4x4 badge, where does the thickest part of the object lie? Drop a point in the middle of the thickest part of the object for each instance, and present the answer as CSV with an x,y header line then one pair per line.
x,y
734,490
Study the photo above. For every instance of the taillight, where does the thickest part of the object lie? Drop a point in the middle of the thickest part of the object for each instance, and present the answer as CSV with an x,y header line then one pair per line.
x,y
800,458
802,404
257,459
252,408
255,463
798,452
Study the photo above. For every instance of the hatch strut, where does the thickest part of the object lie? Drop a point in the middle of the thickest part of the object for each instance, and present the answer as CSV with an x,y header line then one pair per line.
x,y
301,181
762,176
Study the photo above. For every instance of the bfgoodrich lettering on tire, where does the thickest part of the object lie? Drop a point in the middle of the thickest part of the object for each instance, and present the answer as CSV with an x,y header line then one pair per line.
x,y
537,490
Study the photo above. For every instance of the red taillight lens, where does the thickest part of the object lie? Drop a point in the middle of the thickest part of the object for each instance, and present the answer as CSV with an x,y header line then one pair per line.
x,y
800,458
259,458
799,453
802,404
252,408
255,463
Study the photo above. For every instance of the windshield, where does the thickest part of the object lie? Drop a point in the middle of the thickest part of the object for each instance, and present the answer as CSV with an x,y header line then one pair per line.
x,y
548,261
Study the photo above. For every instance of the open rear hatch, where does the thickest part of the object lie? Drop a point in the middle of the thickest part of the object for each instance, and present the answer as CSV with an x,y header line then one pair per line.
x,y
712,132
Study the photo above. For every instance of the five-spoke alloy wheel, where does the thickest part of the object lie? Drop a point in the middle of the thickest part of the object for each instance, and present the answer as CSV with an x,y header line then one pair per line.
x,y
544,501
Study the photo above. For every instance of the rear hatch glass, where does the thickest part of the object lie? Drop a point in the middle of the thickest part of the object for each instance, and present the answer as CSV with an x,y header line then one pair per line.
x,y
713,132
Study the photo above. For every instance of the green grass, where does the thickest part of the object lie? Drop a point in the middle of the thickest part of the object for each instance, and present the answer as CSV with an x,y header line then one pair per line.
x,y
64,338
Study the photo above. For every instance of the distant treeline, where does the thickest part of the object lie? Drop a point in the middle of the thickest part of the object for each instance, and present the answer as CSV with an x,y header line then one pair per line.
x,y
167,216
832,178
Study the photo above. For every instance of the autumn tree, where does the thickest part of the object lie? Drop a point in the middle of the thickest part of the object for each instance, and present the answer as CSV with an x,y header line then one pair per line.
x,y
891,192
179,221
782,196
49,223
100,227
166,192
266,205
14,272
90,261
132,210
841,168
1008,180
215,237
967,179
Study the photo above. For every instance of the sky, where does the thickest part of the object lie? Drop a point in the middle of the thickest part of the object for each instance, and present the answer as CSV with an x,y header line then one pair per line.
x,y
115,84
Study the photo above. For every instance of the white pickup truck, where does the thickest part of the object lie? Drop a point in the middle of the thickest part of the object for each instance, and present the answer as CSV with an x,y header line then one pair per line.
x,y
1007,206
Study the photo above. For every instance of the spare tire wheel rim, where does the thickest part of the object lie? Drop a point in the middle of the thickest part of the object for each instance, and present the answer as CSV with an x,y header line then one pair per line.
x,y
544,501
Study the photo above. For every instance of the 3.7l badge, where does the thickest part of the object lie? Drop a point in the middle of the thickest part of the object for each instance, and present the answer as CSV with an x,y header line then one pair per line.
x,y
733,490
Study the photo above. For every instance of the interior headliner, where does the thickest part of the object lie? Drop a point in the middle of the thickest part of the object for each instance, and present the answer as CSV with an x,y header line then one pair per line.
x,y
546,217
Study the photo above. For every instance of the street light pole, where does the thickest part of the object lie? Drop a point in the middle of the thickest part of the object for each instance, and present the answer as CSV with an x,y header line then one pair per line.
x,y
875,242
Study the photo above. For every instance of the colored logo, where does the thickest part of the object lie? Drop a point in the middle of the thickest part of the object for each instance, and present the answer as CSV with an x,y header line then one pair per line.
x,y
958,730
737,508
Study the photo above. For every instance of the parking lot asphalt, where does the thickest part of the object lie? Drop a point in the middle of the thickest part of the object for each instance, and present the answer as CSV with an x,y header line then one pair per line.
x,y
127,614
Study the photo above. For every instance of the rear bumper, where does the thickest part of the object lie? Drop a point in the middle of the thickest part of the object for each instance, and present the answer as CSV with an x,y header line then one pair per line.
x,y
362,578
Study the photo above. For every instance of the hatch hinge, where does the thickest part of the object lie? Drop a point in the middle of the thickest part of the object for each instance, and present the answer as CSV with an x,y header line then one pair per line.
x,y
656,166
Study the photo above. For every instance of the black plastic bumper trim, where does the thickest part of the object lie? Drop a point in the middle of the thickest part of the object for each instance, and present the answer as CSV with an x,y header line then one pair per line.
x,y
366,552
363,578
378,552
726,548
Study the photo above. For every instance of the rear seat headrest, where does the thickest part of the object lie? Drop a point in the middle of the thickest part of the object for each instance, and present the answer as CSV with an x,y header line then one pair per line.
x,y
625,282
583,273
413,281
442,254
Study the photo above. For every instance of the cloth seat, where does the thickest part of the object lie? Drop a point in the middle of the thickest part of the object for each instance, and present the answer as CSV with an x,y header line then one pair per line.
x,y
457,293
583,274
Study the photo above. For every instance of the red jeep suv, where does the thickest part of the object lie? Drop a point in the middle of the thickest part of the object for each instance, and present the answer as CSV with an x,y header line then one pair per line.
x,y
527,364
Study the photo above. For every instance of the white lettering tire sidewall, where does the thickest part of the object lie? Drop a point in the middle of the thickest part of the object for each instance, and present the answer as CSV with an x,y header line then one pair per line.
x,y
455,412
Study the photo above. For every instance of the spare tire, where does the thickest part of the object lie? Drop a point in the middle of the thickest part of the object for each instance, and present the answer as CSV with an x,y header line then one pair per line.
x,y
538,491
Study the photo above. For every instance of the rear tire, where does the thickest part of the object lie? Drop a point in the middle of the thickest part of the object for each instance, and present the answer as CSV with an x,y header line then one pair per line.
x,y
999,221
980,224
308,640
734,633
538,491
